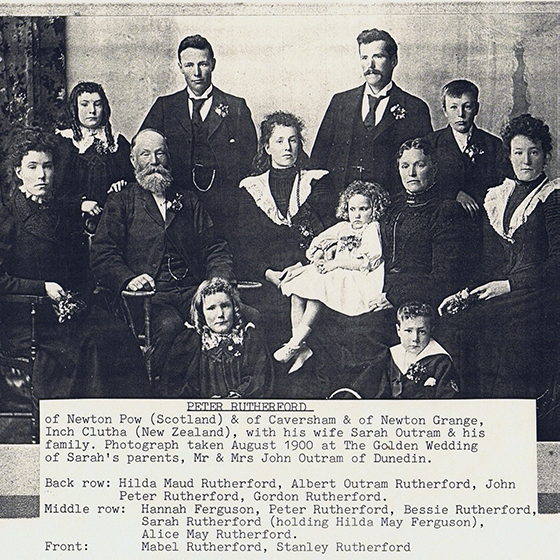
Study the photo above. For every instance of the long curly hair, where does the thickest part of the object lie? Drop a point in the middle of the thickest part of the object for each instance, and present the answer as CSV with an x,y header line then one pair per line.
x,y
378,197
530,127
263,161
75,125
208,288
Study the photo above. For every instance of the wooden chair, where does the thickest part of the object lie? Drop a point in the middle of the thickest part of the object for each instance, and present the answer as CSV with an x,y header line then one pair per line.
x,y
144,335
17,371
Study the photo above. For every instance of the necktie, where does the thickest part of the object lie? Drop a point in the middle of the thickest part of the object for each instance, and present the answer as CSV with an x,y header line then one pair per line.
x,y
369,121
196,116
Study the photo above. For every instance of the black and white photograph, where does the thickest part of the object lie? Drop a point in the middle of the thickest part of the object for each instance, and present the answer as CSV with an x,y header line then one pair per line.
x,y
222,202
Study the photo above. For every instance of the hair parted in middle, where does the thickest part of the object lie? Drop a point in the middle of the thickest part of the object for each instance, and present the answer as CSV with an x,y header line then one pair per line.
x,y
368,36
89,87
262,161
418,144
378,196
208,288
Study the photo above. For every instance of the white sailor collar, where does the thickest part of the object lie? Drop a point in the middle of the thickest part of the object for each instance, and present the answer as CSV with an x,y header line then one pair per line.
x,y
259,188
398,353
497,199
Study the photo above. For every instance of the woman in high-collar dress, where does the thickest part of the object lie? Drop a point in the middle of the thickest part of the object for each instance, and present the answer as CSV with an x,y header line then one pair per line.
x,y
83,351
282,207
510,325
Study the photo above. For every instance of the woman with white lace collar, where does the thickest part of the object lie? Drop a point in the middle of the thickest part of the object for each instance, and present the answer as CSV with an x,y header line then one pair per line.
x,y
281,208
517,298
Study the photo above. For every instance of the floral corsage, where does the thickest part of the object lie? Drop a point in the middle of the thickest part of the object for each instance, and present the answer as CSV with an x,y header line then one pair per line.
x,y
68,306
398,112
222,110
176,204
472,151
415,372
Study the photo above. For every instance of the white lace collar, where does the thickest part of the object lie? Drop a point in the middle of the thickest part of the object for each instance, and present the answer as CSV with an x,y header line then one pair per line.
x,y
88,136
497,199
259,189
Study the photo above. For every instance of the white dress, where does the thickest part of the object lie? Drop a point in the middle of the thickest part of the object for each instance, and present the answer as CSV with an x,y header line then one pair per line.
x,y
351,292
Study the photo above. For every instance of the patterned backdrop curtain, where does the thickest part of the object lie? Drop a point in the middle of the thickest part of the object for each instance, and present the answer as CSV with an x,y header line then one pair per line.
x,y
32,76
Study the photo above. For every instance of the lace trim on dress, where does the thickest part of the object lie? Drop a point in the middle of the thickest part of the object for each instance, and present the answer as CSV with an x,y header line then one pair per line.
x,y
497,198
259,189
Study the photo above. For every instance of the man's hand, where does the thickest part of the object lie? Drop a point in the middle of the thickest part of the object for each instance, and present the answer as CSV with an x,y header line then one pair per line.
x,y
492,289
142,282
54,291
91,207
118,186
468,203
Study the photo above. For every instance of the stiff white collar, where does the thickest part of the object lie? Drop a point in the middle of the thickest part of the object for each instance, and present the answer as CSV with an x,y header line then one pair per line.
x,y
403,360
380,110
497,199
259,189
461,138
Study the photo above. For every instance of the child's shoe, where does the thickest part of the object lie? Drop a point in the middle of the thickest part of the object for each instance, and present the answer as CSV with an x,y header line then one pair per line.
x,y
273,276
304,355
287,352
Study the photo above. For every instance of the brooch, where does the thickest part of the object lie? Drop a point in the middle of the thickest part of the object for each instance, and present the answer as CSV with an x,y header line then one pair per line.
x,y
222,110
398,112
176,204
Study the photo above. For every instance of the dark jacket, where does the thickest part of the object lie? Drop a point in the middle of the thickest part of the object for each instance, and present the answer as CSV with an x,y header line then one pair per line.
x,y
232,140
473,175
405,117
38,244
131,239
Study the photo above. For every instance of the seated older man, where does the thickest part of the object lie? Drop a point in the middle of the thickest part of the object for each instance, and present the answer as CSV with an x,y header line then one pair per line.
x,y
155,236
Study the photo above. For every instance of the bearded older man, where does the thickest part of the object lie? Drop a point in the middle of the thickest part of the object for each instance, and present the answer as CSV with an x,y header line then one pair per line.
x,y
154,236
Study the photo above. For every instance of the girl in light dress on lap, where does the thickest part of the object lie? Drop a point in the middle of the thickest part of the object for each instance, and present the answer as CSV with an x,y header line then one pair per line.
x,y
345,272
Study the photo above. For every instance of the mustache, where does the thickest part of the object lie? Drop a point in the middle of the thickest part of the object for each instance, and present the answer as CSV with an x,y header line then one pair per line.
x,y
154,178
372,71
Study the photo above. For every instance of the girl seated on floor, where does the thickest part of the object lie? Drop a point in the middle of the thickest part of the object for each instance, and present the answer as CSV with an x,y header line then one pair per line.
x,y
226,357
346,271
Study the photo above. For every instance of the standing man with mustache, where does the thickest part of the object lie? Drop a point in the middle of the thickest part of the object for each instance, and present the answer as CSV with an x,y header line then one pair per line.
x,y
364,127
211,136
155,235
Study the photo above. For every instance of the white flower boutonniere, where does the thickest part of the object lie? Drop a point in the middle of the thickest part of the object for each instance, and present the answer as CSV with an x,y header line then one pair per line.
x,y
398,112
176,204
222,110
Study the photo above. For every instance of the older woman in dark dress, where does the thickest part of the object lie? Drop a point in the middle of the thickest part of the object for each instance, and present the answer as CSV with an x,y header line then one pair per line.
x,y
85,354
510,325
426,237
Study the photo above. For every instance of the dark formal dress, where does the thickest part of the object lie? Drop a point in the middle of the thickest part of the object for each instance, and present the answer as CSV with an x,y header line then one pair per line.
x,y
212,158
349,150
510,341
427,250
272,238
207,365
89,355
179,253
